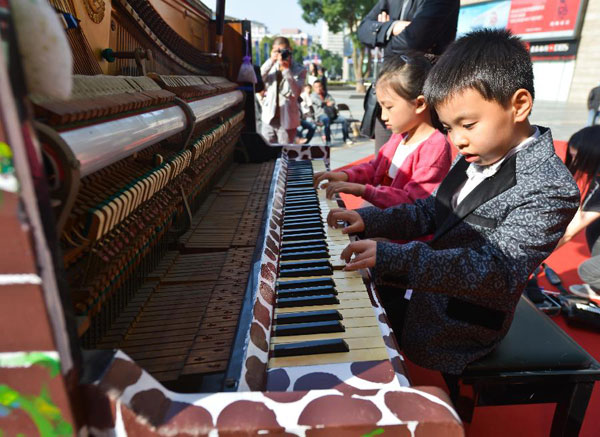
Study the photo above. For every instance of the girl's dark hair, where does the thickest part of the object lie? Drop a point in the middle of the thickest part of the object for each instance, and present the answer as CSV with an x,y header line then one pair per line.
x,y
405,74
587,160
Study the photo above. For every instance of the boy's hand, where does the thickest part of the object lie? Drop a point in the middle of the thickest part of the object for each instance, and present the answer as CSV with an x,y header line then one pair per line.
x,y
365,252
330,176
354,220
343,187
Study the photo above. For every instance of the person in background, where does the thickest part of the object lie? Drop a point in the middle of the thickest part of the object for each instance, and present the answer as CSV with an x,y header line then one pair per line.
x,y
307,120
593,104
313,73
415,159
322,77
399,26
326,112
583,160
283,84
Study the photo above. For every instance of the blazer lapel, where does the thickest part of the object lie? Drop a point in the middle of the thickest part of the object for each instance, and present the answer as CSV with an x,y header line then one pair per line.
x,y
504,179
443,199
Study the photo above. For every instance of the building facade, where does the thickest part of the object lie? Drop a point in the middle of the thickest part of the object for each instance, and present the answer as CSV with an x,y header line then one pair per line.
x,y
562,37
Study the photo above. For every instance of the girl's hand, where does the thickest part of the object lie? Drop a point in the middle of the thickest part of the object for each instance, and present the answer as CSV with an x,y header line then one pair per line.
x,y
354,220
330,176
365,252
344,187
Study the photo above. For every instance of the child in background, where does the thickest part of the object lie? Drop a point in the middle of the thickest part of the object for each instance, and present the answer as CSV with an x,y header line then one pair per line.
x,y
417,156
583,160
500,211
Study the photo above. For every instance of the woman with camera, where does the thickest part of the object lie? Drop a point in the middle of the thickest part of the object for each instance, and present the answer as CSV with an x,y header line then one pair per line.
x,y
283,84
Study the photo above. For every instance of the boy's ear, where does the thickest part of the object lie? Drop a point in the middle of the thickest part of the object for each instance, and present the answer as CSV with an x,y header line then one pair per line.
x,y
420,104
522,103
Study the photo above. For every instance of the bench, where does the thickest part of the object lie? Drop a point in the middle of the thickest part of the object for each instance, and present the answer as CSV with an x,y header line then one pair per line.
x,y
537,362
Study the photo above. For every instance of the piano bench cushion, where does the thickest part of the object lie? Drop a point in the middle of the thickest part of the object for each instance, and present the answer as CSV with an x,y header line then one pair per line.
x,y
533,343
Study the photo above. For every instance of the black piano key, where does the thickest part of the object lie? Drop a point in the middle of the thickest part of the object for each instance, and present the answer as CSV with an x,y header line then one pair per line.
x,y
300,283
316,228
301,208
300,204
305,271
307,316
302,301
311,347
297,190
301,217
304,264
299,184
309,328
305,224
303,244
303,236
303,197
307,291
304,254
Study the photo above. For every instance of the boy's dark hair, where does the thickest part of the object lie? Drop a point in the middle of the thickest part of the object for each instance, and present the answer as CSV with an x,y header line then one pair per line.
x,y
587,161
405,74
493,62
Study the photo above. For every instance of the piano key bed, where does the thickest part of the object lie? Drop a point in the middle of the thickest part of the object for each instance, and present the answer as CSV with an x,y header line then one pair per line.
x,y
315,355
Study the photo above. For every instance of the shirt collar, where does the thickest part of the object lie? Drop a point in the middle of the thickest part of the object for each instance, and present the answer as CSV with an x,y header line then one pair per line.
x,y
486,171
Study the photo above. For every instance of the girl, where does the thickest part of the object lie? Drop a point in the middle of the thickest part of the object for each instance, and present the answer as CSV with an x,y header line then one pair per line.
x,y
583,160
417,156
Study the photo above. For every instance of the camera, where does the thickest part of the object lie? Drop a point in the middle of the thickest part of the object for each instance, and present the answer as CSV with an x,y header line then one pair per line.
x,y
285,54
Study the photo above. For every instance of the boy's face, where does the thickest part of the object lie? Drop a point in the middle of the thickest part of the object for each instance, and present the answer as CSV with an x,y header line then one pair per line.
x,y
482,130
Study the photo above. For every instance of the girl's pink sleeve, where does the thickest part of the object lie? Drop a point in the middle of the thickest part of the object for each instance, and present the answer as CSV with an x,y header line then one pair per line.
x,y
365,173
432,166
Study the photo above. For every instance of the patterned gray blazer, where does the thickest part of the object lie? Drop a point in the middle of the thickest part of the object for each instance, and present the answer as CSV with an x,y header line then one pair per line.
x,y
468,279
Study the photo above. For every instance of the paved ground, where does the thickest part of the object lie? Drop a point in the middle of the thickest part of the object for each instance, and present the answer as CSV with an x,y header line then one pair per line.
x,y
563,118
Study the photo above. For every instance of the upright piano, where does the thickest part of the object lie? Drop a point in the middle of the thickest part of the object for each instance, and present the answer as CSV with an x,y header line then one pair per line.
x,y
201,291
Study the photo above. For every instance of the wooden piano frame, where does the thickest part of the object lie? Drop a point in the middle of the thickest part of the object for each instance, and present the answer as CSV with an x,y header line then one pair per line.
x,y
47,387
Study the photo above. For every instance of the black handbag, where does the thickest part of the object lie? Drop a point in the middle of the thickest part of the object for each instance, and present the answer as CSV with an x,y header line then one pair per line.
x,y
331,112
372,111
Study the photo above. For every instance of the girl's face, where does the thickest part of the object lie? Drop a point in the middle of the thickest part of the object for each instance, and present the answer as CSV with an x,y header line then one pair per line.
x,y
398,114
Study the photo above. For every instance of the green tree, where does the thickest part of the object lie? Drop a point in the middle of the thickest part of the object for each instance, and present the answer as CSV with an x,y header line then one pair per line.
x,y
341,14
331,62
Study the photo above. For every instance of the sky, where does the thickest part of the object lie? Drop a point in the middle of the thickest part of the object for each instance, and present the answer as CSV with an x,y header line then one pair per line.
x,y
275,14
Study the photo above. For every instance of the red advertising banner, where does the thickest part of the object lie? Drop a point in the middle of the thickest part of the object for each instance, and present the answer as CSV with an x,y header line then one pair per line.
x,y
544,18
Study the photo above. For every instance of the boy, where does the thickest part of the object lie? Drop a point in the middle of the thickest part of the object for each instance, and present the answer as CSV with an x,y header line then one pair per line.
x,y
497,215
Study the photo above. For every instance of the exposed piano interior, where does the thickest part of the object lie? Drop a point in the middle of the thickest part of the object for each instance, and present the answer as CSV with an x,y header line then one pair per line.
x,y
201,282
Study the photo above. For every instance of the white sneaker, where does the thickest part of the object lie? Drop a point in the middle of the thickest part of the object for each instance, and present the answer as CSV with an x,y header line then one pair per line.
x,y
584,290
349,142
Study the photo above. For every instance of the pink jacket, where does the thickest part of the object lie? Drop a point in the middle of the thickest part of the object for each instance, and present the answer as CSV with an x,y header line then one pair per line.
x,y
420,173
